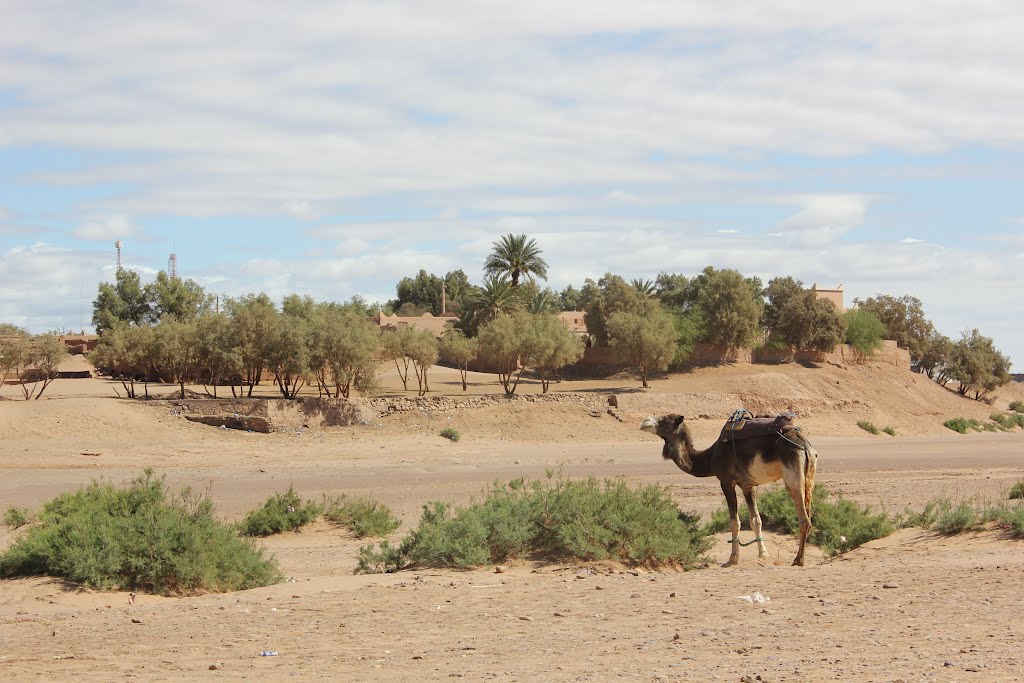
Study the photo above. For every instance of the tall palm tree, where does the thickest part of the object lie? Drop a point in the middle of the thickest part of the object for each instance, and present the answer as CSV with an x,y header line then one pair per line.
x,y
542,302
645,288
515,256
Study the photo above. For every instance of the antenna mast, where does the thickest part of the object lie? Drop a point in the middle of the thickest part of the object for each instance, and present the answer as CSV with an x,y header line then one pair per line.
x,y
172,267
117,245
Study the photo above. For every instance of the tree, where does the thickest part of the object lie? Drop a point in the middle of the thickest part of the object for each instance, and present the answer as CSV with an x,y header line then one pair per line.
x,y
176,351
127,353
252,321
542,301
569,299
780,291
423,292
288,353
423,352
729,306
501,342
459,350
977,365
218,357
395,347
935,358
904,320
673,291
172,296
11,346
807,322
602,299
495,298
645,288
516,256
352,347
547,346
649,339
864,331
125,300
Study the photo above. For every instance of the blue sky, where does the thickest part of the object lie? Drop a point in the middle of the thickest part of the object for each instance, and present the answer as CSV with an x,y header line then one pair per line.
x,y
334,150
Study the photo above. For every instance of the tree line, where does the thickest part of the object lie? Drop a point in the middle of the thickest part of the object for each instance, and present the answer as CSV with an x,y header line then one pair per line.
x,y
34,360
655,323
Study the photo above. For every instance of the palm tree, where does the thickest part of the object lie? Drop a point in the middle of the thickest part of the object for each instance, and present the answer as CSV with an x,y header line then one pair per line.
x,y
496,297
645,288
542,302
515,256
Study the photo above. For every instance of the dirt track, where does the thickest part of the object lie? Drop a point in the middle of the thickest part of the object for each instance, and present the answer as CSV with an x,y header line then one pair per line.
x,y
953,615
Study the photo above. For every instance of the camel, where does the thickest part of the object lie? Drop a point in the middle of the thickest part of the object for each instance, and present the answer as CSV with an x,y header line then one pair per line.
x,y
781,452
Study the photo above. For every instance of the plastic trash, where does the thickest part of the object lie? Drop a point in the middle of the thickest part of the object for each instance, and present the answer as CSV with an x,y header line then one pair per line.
x,y
268,653
755,599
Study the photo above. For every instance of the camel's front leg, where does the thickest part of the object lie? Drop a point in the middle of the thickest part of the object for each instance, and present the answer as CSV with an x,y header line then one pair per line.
x,y
755,521
734,522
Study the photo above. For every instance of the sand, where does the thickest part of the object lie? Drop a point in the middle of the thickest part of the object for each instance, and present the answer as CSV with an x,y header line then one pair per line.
x,y
952,612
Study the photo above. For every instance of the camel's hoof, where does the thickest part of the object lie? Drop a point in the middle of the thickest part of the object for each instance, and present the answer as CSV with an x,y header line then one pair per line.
x,y
731,563
798,562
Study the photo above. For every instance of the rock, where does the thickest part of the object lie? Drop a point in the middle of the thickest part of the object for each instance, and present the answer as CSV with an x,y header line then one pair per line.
x,y
599,587
890,584
498,569
948,663
634,595
213,667
671,595
525,618
136,621
667,611
746,679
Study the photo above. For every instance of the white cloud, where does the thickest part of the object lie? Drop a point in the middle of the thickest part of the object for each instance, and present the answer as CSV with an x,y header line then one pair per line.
x,y
449,214
109,229
300,209
727,231
621,196
910,240
824,218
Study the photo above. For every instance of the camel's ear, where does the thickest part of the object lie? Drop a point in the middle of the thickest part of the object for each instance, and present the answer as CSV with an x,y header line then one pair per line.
x,y
678,423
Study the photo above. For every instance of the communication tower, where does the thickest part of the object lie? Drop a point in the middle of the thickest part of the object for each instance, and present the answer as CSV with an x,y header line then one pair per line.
x,y
172,267
117,245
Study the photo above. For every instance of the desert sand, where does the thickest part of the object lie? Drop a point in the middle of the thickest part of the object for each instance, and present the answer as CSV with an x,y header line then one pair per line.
x,y
915,606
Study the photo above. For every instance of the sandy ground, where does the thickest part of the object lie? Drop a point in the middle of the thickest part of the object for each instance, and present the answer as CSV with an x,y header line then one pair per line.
x,y
951,613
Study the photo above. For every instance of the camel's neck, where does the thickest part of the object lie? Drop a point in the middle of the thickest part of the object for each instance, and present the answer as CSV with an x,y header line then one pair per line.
x,y
689,459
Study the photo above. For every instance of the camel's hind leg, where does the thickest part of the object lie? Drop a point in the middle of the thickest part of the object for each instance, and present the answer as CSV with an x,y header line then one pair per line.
x,y
755,521
734,522
798,475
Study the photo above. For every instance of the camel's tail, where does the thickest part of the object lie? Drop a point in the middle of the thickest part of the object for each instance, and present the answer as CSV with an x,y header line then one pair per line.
x,y
810,468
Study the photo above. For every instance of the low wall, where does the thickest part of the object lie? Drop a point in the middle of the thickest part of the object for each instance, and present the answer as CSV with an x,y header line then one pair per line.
x,y
721,406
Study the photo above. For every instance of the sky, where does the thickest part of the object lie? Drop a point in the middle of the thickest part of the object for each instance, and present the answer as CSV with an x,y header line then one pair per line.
x,y
332,148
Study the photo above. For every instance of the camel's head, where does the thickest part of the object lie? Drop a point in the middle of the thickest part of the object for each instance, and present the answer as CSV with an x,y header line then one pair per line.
x,y
672,429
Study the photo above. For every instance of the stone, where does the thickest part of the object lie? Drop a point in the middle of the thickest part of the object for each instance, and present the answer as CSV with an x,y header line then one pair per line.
x,y
890,584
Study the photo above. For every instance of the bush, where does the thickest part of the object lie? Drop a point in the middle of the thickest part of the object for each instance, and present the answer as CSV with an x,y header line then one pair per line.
x,y
890,431
451,434
1017,491
1011,519
949,518
17,517
282,512
1008,422
141,538
839,526
362,516
1017,406
560,521
962,424
867,427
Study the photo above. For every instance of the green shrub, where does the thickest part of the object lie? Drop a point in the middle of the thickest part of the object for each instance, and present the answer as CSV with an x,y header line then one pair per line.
x,y
962,424
362,516
948,517
867,426
1017,490
839,526
17,517
890,431
1017,406
281,512
138,537
451,434
1011,519
561,521
956,519
1008,421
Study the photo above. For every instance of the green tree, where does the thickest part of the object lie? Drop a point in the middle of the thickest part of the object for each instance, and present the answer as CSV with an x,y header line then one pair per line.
x,y
780,291
176,351
395,347
423,351
977,365
353,344
36,362
183,299
252,321
547,346
423,292
807,322
935,358
497,297
730,307
649,339
12,340
864,331
569,299
602,299
502,342
218,356
516,256
288,353
125,300
459,350
127,353
647,289
903,318
542,301
673,291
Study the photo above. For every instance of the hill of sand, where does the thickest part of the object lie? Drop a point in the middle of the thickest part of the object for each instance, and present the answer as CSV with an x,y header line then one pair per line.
x,y
914,606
